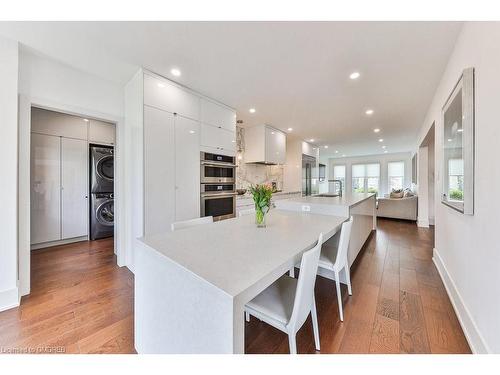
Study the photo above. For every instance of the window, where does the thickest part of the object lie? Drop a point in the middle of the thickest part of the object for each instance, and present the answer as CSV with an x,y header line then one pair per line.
x,y
365,178
339,174
396,175
456,180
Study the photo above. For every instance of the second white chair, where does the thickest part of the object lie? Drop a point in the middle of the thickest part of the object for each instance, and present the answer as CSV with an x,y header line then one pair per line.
x,y
334,258
191,223
287,302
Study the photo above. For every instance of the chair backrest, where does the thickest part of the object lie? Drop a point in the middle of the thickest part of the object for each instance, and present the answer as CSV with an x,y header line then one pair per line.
x,y
304,294
345,236
250,211
191,223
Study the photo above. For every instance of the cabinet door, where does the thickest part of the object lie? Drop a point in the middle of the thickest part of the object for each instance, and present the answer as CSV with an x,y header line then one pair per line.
x,y
161,94
159,170
74,187
218,139
275,146
187,169
45,188
101,132
217,115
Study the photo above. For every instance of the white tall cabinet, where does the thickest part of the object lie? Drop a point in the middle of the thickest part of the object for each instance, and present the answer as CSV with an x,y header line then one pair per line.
x,y
178,124
59,200
45,188
74,197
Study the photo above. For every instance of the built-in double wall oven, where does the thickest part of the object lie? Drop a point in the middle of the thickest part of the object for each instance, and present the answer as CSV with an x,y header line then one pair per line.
x,y
218,181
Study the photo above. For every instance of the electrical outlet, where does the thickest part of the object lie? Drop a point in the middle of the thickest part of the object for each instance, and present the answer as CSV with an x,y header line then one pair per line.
x,y
306,208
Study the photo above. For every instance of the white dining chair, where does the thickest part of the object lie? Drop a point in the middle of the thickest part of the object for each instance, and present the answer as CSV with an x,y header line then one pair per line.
x,y
191,223
287,302
249,211
334,258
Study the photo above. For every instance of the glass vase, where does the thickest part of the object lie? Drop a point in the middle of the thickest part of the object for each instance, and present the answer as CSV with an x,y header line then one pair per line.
x,y
260,217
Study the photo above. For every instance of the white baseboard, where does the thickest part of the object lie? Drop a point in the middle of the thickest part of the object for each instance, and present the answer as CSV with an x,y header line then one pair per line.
x,y
423,223
472,334
58,242
9,299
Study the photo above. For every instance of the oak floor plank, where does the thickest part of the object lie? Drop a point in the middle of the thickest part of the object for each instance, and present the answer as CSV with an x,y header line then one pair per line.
x,y
412,328
385,336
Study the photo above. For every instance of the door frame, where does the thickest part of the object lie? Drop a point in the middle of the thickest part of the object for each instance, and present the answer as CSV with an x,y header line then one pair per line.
x,y
24,183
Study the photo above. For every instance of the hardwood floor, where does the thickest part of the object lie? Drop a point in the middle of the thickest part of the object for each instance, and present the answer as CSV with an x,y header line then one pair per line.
x,y
399,304
81,302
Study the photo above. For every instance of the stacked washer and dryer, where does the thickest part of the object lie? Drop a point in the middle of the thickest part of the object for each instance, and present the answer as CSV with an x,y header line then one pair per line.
x,y
101,192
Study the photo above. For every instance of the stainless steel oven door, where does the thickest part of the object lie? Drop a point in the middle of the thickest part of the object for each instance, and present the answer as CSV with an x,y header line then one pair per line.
x,y
219,205
215,173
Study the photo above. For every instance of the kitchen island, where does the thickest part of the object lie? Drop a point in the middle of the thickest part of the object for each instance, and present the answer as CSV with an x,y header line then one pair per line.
x,y
191,285
361,206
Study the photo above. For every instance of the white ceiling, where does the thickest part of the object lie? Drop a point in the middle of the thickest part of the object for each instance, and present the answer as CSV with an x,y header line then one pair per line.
x,y
296,74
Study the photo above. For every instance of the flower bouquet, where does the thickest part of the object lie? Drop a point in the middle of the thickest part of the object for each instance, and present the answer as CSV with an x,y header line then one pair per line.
x,y
262,199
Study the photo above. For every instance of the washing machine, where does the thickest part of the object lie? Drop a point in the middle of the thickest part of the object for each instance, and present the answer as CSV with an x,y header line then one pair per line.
x,y
102,216
101,169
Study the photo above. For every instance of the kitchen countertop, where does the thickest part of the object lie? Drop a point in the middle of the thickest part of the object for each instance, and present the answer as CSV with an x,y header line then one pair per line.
x,y
348,200
233,254
248,195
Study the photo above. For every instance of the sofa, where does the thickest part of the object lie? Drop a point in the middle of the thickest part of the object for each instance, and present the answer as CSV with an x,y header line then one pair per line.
x,y
398,208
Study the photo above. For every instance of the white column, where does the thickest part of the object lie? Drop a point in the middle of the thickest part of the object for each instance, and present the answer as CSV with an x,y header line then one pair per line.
x,y
423,187
9,295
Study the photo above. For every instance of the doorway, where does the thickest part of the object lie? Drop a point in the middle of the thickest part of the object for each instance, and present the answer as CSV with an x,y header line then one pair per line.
x,y
26,106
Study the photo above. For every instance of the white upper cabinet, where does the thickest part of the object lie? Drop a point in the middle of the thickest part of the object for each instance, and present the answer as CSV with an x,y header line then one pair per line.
x,y
101,132
310,150
217,140
265,144
187,169
58,124
217,115
162,94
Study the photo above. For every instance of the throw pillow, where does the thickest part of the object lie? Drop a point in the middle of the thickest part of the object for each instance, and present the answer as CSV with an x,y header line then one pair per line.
x,y
397,193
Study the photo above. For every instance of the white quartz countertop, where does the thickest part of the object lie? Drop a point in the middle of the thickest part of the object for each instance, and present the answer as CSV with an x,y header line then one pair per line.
x,y
347,200
234,254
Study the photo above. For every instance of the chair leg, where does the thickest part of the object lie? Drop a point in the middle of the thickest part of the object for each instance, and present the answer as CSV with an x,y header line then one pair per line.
x,y
339,296
291,273
247,316
292,343
348,279
314,318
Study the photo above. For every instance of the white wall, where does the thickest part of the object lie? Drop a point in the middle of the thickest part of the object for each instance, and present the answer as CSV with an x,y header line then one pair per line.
x,y
467,250
9,296
383,160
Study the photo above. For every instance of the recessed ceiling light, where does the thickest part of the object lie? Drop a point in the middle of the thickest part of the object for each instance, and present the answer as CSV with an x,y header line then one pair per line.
x,y
343,155
384,146
385,152
86,119
336,151
251,110
160,85
272,132
381,140
376,130
326,146
191,132
311,140
175,72
449,139
369,112
289,129
460,130
354,75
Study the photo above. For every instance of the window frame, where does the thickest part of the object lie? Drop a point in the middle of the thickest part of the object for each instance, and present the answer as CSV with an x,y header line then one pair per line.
x,y
365,177
389,189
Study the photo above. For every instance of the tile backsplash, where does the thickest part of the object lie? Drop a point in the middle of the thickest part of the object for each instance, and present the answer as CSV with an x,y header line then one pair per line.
x,y
252,174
